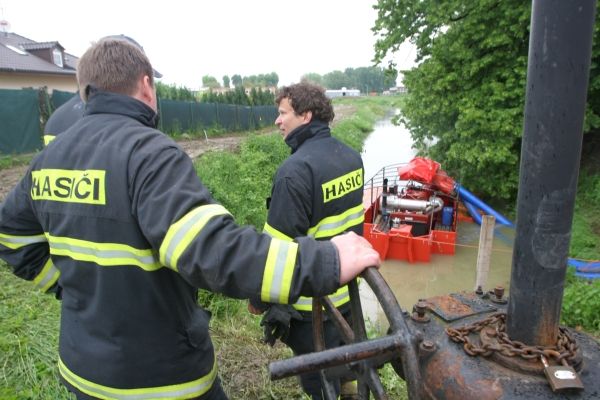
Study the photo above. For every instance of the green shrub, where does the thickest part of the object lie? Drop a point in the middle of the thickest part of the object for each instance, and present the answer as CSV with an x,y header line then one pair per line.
x,y
581,303
242,181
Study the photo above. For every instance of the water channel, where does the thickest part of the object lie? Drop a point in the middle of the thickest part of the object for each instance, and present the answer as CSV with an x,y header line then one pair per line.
x,y
391,144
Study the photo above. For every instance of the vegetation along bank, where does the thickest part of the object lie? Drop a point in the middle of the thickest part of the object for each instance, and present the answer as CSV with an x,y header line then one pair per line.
x,y
241,181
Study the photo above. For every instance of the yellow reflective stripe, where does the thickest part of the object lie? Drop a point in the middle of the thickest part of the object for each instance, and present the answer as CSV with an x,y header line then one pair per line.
x,y
269,230
337,224
279,269
186,390
47,276
341,296
105,254
48,139
183,232
14,242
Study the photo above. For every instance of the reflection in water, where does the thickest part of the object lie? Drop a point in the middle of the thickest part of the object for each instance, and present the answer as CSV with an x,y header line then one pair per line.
x,y
390,144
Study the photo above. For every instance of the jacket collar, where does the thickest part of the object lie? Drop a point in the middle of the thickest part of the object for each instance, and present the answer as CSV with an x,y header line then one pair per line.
x,y
100,102
304,132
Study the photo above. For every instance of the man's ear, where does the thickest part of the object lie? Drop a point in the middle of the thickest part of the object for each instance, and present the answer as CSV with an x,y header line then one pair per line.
x,y
306,117
146,89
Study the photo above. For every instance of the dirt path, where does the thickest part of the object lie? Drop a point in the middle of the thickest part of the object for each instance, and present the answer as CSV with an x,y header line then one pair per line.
x,y
193,147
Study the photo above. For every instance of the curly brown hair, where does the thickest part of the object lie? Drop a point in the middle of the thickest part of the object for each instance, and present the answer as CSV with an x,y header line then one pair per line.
x,y
306,96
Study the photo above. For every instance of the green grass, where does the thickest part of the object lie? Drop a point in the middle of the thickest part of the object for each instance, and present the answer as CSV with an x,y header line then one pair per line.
x,y
29,320
15,160
242,355
581,299
29,323
585,235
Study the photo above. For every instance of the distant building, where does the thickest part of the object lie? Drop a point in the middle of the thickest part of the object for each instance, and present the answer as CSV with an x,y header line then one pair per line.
x,y
247,90
343,92
397,90
25,63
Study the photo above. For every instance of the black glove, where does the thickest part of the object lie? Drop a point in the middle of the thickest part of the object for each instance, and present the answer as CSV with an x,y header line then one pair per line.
x,y
276,322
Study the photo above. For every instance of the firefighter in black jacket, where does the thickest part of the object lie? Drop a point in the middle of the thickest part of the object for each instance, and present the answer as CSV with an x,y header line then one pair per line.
x,y
317,192
113,212
63,118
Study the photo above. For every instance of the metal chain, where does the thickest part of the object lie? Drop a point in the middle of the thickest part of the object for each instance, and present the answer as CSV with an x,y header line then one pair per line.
x,y
565,349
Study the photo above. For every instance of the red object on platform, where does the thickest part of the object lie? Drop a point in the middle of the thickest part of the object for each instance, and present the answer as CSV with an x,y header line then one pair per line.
x,y
443,182
419,169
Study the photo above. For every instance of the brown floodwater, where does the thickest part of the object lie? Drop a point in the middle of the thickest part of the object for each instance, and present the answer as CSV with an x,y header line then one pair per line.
x,y
444,274
391,144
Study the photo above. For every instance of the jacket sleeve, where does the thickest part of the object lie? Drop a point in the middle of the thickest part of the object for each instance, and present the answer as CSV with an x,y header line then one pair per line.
x,y
199,239
23,244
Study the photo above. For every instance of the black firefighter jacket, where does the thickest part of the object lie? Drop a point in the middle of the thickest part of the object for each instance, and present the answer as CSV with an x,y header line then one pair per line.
x,y
63,118
113,212
318,192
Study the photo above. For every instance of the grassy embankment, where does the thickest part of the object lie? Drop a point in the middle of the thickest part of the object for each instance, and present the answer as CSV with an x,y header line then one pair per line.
x,y
29,321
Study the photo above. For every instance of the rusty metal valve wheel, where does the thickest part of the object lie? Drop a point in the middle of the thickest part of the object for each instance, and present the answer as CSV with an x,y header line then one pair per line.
x,y
361,355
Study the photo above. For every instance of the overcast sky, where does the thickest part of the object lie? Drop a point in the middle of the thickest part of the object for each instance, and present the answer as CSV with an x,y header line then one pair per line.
x,y
186,40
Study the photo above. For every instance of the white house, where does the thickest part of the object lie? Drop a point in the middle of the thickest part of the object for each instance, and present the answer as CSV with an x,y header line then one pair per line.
x,y
343,92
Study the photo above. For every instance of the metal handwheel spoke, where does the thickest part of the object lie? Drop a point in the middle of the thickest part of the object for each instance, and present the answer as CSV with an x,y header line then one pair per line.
x,y
363,356
370,378
338,319
356,308
319,345
375,385
359,327
367,375
393,312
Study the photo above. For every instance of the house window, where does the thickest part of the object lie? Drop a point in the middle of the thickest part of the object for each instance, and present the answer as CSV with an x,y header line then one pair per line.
x,y
17,50
57,57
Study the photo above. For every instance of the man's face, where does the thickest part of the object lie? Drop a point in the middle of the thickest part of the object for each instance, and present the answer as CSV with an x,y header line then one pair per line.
x,y
288,120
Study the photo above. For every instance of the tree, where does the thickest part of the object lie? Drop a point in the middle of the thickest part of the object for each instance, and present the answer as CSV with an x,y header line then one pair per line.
x,y
240,97
236,80
272,79
336,80
226,81
259,97
466,95
172,92
254,100
313,77
210,82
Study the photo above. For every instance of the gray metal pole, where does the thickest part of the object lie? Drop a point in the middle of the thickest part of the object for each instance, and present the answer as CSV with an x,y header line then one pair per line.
x,y
557,79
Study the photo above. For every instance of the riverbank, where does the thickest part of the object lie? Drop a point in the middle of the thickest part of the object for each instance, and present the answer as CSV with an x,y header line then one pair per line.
x,y
29,321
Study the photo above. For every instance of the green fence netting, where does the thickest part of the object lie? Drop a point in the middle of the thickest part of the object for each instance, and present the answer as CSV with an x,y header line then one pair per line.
x,y
59,98
227,116
19,121
264,115
177,116
207,113
23,113
245,118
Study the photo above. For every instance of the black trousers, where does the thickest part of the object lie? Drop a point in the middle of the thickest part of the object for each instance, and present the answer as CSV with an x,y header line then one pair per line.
x,y
300,340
